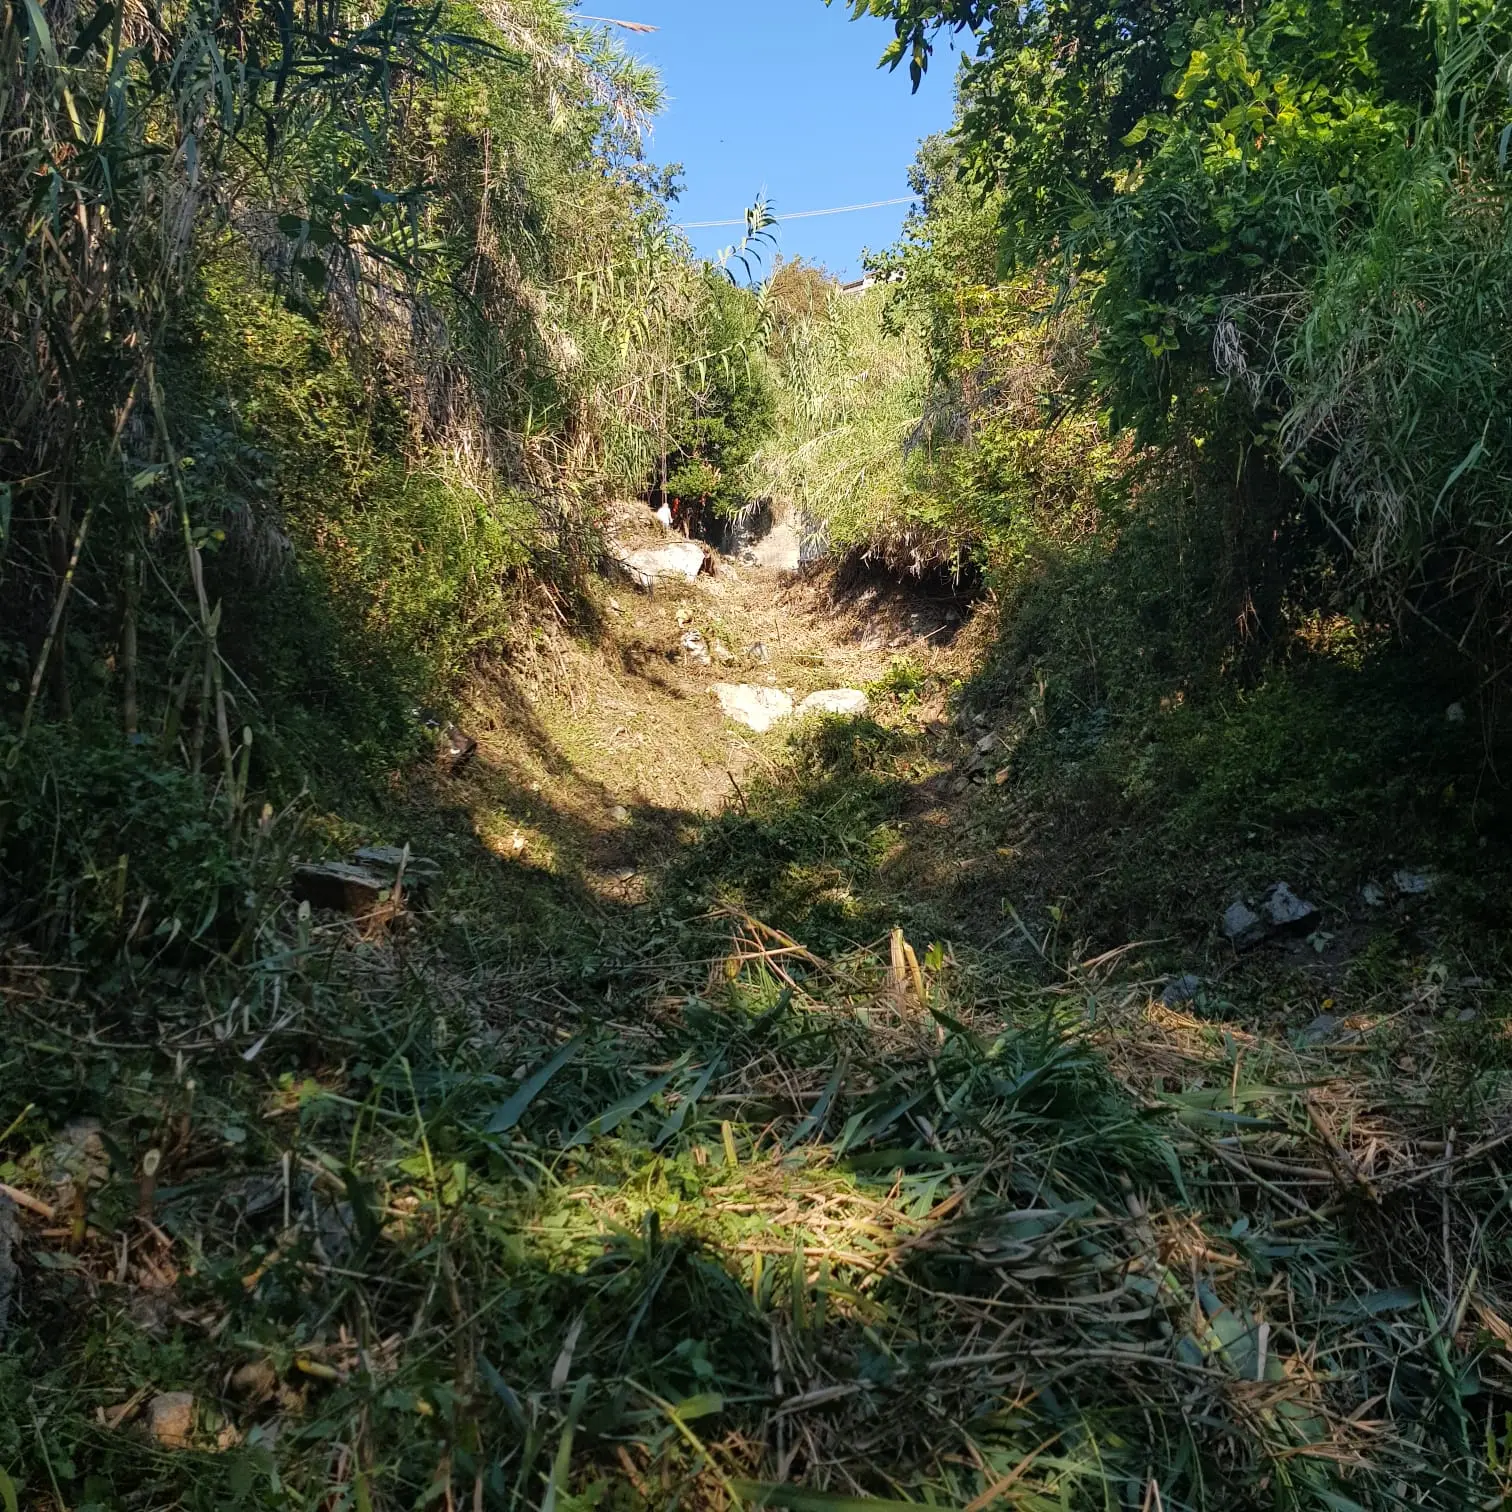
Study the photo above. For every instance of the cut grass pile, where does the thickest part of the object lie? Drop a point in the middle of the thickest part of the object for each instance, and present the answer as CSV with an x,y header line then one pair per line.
x,y
732,1224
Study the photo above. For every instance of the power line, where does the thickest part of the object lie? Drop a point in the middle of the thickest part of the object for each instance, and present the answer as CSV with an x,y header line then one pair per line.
x,y
907,199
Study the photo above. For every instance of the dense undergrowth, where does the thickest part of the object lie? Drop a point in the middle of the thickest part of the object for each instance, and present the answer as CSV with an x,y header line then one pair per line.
x,y
918,1139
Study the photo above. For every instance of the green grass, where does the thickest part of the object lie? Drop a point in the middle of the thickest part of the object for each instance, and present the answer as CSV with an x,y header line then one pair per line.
x,y
727,1212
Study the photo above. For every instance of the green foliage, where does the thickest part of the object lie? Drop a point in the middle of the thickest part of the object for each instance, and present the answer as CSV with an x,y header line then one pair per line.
x,y
120,864
1257,210
729,397
803,850
850,397
1395,370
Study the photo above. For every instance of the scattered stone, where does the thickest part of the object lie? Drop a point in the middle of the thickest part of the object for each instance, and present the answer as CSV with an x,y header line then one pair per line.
x,y
1242,926
847,701
679,559
1412,884
1322,1028
620,814
335,1228
985,744
77,1162
1374,895
1455,713
418,870
340,886
960,786
1285,910
723,654
254,1194
10,1242
695,648
460,748
170,1419
256,1382
1468,1015
757,709
1180,991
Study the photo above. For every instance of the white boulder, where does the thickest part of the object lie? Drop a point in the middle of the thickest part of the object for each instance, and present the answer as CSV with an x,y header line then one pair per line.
x,y
848,701
756,708
683,559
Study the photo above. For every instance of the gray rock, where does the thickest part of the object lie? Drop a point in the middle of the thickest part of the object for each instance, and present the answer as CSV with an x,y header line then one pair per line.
x,y
1455,713
77,1162
1322,1028
334,1225
1374,895
848,701
694,648
985,744
419,871
1283,909
677,559
1242,926
756,708
1181,990
170,1419
1412,884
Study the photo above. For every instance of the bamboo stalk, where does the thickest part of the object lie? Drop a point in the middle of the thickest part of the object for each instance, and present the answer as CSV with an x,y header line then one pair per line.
x,y
60,603
214,683
130,716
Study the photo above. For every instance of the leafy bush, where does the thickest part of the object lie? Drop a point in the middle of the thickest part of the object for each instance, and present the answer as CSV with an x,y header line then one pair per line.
x,y
114,859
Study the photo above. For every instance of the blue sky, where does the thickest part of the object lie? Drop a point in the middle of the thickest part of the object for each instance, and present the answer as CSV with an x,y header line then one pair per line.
x,y
785,96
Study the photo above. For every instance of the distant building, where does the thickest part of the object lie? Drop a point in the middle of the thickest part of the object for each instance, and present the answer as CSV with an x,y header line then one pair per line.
x,y
870,281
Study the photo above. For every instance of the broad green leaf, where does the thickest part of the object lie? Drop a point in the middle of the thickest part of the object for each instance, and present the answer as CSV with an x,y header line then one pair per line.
x,y
616,1113
1391,1299
1337,1503
41,34
705,1404
820,1110
679,1114
509,1113
859,1132
8,1498
504,1391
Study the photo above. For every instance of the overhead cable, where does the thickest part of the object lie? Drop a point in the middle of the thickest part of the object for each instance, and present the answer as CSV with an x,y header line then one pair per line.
x,y
907,199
